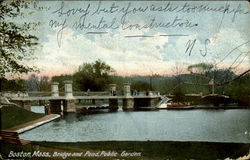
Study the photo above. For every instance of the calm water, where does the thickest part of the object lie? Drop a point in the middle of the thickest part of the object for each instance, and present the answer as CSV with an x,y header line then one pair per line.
x,y
38,109
163,125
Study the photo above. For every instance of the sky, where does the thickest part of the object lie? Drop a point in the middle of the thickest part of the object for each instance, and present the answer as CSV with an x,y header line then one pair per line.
x,y
140,37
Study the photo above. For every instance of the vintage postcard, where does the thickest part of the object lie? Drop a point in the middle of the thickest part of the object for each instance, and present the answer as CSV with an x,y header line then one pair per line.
x,y
124,80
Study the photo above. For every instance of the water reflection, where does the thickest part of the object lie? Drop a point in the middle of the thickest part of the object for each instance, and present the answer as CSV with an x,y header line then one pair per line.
x,y
191,125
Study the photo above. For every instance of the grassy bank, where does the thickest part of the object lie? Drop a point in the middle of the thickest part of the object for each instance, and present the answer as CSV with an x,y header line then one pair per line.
x,y
12,116
150,150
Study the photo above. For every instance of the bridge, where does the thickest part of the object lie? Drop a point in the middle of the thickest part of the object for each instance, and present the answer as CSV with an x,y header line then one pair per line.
x,y
130,101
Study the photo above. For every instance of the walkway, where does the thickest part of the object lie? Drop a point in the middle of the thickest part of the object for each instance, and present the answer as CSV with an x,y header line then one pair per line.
x,y
80,97
35,123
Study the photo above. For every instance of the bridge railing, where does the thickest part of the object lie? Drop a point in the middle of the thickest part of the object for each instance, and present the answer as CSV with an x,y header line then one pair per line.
x,y
156,93
119,93
10,94
145,93
105,93
28,94
44,94
39,94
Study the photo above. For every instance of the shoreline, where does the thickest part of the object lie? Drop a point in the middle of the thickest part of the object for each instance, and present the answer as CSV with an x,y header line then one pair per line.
x,y
205,107
33,124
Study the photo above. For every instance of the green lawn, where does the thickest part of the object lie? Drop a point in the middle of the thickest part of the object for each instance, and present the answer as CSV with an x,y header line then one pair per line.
x,y
12,116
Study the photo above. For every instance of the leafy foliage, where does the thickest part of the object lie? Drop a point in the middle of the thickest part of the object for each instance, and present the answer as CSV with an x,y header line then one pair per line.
x,y
239,90
34,83
179,95
200,67
220,75
16,43
94,76
226,83
13,85
141,86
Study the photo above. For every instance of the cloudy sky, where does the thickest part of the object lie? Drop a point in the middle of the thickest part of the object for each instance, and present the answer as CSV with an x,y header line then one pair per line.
x,y
143,37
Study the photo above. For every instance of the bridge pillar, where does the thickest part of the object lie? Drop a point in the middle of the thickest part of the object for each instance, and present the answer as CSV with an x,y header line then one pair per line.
x,y
25,104
153,101
112,89
126,90
69,105
93,101
68,89
54,89
55,106
128,100
69,100
145,102
128,104
113,104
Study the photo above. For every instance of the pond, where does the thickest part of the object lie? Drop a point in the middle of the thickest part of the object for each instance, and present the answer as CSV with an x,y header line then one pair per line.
x,y
163,125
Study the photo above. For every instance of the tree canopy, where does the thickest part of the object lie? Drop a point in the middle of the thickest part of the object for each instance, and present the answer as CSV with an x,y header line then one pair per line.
x,y
16,42
141,86
94,76
13,85
200,67
34,83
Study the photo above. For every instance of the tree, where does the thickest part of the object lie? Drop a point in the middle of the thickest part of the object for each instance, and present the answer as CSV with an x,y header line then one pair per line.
x,y
141,86
179,95
177,72
200,68
239,90
13,85
226,81
16,43
34,83
94,76
44,84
